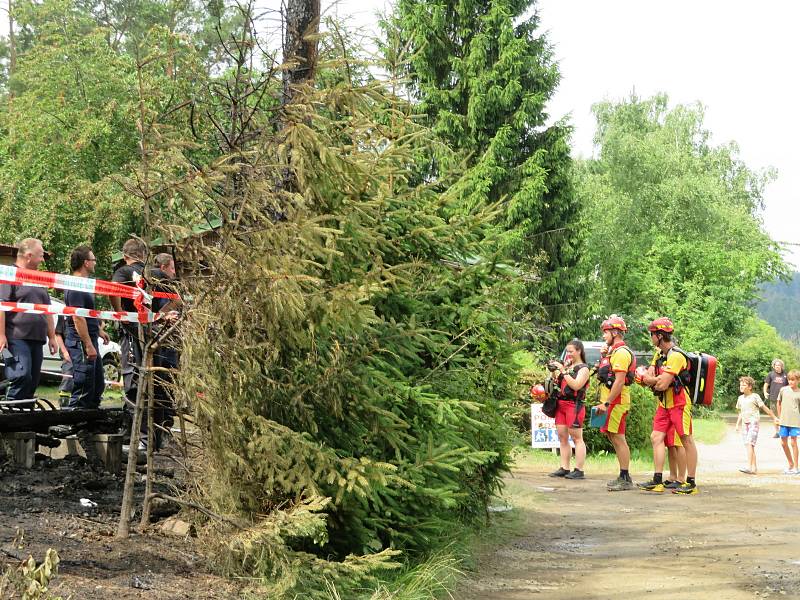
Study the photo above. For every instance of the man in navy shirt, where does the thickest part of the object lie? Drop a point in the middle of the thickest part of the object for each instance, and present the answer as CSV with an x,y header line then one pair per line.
x,y
134,253
82,337
23,335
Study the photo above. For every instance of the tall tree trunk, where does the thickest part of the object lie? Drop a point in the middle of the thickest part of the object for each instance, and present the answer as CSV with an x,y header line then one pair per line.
x,y
300,44
12,46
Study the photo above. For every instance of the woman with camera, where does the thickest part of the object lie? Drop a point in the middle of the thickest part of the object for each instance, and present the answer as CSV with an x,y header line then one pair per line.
x,y
571,380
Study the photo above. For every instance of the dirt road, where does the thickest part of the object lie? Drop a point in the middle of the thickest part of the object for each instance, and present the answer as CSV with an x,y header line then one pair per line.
x,y
739,538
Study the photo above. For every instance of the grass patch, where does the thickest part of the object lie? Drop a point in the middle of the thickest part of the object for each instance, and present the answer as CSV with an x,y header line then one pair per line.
x,y
112,398
439,575
431,579
709,431
600,462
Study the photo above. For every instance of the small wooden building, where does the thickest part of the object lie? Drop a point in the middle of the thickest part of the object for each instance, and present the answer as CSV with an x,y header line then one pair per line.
x,y
8,254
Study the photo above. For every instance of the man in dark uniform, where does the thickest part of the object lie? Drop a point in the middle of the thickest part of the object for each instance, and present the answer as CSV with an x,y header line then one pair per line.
x,y
134,253
23,335
83,334
166,356
65,387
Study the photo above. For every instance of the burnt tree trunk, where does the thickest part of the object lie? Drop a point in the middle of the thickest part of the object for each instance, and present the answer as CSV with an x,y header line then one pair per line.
x,y
300,44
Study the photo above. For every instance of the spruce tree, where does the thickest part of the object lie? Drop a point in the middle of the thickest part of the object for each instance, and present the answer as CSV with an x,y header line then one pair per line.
x,y
483,74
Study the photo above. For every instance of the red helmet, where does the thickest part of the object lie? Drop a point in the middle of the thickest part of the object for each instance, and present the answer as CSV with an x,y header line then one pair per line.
x,y
538,392
661,324
614,322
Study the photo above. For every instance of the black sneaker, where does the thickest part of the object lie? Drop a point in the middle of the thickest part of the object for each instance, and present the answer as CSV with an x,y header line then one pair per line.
x,y
574,474
562,472
672,485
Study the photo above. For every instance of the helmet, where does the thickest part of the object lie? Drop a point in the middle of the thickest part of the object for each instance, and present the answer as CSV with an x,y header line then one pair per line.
x,y
538,392
614,322
661,324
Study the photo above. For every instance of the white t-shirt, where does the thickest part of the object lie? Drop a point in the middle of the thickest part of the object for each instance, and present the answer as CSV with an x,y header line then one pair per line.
x,y
749,407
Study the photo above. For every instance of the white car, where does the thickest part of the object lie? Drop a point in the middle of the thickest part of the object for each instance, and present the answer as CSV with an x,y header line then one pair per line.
x,y
109,353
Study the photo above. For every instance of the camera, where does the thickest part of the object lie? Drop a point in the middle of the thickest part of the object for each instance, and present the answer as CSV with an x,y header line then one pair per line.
x,y
551,365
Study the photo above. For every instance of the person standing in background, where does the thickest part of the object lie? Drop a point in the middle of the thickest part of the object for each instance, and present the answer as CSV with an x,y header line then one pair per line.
x,y
83,334
615,396
134,253
775,380
65,387
789,413
748,405
23,335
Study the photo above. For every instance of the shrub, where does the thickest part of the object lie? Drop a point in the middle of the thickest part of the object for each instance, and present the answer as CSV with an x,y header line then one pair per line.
x,y
752,356
638,426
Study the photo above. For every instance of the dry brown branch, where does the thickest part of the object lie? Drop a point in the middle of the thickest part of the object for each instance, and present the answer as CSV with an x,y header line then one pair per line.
x,y
201,509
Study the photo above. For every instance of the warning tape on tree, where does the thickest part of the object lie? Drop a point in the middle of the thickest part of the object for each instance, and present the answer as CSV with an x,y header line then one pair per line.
x,y
106,315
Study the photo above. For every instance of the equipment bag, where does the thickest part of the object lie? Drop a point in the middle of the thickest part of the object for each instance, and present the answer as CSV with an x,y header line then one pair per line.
x,y
550,405
698,379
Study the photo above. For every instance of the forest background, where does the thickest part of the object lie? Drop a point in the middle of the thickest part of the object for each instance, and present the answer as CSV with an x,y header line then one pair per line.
x,y
395,230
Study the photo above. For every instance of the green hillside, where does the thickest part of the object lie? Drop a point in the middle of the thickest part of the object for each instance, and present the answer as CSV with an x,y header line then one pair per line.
x,y
780,306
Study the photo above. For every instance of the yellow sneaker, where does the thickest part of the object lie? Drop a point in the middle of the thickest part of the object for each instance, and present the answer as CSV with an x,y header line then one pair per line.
x,y
686,489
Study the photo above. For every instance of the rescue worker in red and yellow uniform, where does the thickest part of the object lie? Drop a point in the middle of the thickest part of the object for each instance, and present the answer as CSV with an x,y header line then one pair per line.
x,y
665,377
677,460
615,397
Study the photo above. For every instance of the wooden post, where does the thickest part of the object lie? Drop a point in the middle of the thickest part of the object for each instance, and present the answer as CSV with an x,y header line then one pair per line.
x,y
108,447
23,447
151,440
123,529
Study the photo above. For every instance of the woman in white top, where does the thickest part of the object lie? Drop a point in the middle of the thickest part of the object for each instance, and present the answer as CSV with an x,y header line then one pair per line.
x,y
749,416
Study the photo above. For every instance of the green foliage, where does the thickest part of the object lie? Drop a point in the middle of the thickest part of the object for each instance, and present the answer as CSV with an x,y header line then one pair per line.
x,y
65,132
638,424
483,73
359,394
709,429
752,355
673,223
358,356
71,117
31,581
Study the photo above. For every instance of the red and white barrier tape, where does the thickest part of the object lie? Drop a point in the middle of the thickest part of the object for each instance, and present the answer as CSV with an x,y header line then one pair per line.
x,y
19,276
106,315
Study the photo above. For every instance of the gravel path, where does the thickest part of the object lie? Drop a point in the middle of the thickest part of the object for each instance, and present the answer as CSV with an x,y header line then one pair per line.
x,y
573,540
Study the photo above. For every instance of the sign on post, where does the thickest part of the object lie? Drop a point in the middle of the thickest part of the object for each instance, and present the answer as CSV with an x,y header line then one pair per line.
x,y
543,429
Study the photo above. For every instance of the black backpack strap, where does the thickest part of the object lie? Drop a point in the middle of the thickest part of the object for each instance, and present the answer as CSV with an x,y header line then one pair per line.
x,y
681,379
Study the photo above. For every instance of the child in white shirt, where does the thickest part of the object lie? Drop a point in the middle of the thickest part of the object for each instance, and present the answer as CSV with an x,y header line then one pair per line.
x,y
749,416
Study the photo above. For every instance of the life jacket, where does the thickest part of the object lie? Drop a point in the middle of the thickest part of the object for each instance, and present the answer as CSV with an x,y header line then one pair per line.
x,y
566,392
607,376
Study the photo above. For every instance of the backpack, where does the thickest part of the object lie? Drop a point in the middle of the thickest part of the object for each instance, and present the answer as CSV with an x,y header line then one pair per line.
x,y
698,377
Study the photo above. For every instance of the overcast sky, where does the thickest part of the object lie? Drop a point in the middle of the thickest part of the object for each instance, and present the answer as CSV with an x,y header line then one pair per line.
x,y
738,58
